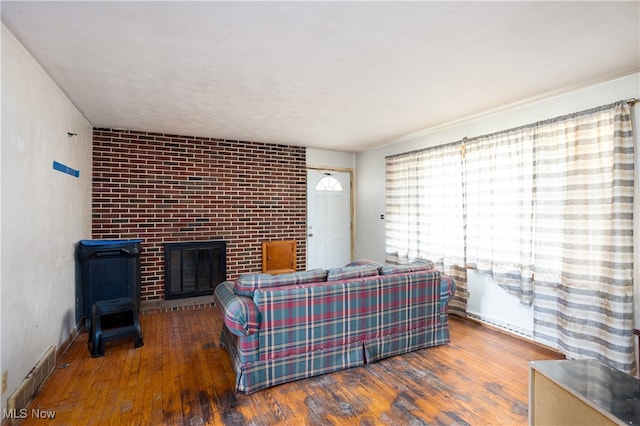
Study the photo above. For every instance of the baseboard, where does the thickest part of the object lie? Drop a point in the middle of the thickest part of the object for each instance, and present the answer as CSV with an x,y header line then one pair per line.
x,y
520,336
503,326
66,345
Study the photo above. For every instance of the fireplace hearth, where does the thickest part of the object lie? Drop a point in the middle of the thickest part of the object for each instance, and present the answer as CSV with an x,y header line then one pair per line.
x,y
194,268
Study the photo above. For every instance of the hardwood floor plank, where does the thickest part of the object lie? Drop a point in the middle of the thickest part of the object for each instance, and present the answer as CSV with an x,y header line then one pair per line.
x,y
181,376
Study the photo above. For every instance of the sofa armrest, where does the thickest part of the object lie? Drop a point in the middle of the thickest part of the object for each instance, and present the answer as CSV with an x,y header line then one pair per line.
x,y
241,316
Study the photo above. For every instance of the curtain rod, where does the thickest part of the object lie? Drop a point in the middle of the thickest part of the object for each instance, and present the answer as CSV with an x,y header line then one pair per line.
x,y
465,139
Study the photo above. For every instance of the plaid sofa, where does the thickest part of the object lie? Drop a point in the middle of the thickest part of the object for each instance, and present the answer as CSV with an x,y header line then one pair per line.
x,y
287,327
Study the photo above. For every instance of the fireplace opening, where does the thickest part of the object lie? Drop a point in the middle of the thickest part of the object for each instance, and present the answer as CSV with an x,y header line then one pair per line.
x,y
194,268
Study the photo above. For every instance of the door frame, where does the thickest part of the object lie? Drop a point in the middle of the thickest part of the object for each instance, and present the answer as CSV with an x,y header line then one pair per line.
x,y
352,206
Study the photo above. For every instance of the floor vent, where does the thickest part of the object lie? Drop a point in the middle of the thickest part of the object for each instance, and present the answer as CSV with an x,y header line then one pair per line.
x,y
32,383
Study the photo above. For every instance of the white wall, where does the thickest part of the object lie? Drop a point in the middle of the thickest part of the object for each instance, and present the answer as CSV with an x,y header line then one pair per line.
x,y
44,212
490,303
330,159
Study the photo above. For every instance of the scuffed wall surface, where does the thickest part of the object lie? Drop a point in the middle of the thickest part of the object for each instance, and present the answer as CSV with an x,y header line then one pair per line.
x,y
45,212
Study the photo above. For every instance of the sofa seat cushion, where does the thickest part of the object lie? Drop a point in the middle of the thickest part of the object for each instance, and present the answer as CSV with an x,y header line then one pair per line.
x,y
416,265
361,262
351,272
247,284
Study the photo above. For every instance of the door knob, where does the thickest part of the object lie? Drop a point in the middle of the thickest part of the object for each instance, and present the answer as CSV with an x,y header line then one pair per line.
x,y
311,235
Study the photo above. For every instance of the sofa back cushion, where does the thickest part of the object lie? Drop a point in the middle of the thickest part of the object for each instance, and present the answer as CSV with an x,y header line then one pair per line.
x,y
416,265
351,272
247,284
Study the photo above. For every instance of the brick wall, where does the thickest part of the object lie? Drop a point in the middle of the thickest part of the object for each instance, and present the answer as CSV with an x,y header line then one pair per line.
x,y
167,188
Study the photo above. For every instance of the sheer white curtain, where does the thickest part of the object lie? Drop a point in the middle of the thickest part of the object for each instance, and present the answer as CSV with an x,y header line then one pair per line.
x,y
424,212
583,297
499,183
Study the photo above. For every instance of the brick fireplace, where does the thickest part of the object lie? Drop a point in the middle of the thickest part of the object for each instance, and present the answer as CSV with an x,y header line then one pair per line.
x,y
168,188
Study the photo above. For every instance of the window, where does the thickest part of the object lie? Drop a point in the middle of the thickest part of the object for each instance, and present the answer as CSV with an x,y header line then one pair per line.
x,y
554,199
329,183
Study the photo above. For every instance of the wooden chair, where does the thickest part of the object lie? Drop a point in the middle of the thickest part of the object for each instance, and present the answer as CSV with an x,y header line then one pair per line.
x,y
279,257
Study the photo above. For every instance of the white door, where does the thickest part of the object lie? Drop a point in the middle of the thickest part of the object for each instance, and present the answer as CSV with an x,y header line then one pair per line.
x,y
328,219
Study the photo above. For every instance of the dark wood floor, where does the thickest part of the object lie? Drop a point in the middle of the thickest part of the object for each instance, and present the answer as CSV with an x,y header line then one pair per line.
x,y
182,377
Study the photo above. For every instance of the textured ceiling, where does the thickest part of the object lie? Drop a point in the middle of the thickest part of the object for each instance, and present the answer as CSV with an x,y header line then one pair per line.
x,y
334,75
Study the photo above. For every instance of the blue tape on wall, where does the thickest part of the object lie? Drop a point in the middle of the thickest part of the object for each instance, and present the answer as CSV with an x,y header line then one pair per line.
x,y
65,169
